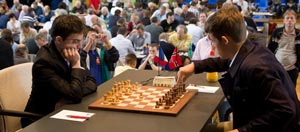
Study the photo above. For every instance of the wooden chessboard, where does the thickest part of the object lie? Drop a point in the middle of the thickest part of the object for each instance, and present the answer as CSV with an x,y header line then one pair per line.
x,y
146,103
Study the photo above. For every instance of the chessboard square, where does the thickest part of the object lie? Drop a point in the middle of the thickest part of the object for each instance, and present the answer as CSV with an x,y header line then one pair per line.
x,y
146,101
151,96
151,89
146,93
166,90
139,106
156,99
124,96
122,104
135,95
141,91
157,92
134,103
151,104
161,95
128,99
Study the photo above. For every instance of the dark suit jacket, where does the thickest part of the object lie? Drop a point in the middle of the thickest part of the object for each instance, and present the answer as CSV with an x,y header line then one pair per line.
x,y
259,90
6,54
54,81
168,48
32,46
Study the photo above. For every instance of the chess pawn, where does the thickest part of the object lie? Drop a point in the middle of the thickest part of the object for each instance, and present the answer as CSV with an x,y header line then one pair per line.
x,y
141,95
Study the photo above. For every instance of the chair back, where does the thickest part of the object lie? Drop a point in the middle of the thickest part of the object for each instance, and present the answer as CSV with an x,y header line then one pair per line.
x,y
15,88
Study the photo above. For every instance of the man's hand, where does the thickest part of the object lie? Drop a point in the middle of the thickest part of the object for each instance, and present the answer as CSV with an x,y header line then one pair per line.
x,y
72,55
234,130
185,72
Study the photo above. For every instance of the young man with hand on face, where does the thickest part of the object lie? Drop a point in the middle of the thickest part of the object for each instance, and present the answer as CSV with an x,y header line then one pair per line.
x,y
57,75
259,90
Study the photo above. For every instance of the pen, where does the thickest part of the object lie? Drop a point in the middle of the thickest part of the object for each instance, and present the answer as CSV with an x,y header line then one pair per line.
x,y
77,117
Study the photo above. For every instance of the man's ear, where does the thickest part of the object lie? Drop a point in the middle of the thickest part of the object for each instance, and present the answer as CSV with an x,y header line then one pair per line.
x,y
58,39
225,39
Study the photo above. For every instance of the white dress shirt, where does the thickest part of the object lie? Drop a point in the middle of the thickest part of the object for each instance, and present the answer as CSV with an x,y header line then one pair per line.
x,y
196,32
203,49
123,45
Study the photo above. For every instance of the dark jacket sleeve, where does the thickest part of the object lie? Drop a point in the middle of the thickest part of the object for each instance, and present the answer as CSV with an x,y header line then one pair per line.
x,y
280,108
111,57
211,65
273,45
72,87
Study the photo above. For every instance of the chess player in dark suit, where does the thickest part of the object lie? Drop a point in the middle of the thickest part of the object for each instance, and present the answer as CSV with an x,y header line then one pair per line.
x,y
259,90
58,77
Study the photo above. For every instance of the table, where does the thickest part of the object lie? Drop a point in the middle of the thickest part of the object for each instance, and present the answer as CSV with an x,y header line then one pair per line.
x,y
192,118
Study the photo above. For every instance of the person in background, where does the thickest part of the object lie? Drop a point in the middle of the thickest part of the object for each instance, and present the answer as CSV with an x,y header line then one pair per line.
x,y
196,32
154,29
6,54
285,44
37,42
100,55
259,90
139,37
123,45
130,63
7,35
167,47
58,76
148,63
14,26
202,20
21,54
160,13
181,39
169,24
27,32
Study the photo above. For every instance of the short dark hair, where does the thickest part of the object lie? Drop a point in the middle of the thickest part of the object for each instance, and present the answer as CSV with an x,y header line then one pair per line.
x,y
140,26
170,14
154,20
227,22
117,12
25,25
66,25
7,35
193,20
122,30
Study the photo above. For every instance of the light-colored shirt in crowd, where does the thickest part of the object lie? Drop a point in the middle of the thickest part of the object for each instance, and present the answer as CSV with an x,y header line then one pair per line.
x,y
30,35
123,45
185,42
286,53
203,49
196,32
139,41
120,69
17,25
159,16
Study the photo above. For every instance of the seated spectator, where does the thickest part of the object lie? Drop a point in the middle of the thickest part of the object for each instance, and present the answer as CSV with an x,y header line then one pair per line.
x,y
148,63
196,32
105,14
114,18
14,26
186,15
139,37
130,63
6,54
7,35
154,29
4,17
30,18
47,14
37,42
134,21
38,10
160,13
78,8
181,40
120,23
169,24
26,32
146,18
21,54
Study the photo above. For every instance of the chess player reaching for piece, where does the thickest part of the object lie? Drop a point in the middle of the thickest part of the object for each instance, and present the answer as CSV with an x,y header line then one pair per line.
x,y
259,90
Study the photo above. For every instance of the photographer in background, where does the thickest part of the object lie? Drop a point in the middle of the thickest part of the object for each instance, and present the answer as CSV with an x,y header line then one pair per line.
x,y
100,55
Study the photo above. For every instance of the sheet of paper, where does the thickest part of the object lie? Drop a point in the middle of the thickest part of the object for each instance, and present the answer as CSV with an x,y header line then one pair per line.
x,y
72,115
203,89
